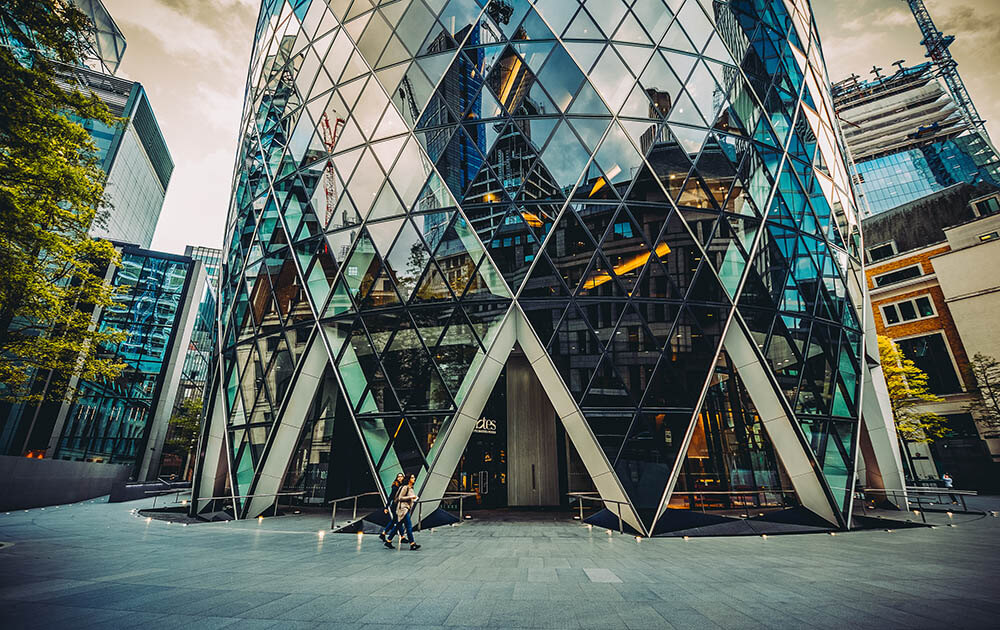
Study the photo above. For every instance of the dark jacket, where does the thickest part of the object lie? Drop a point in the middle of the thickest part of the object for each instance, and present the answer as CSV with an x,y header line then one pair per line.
x,y
394,497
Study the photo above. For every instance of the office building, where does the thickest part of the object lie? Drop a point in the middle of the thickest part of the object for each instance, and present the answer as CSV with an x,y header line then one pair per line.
x,y
211,258
134,154
940,315
203,337
908,138
527,249
122,421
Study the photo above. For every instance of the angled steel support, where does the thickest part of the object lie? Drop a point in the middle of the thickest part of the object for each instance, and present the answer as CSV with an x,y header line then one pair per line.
x,y
288,427
804,474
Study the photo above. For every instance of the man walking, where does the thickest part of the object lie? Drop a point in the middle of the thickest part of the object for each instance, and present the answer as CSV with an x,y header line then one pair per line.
x,y
949,483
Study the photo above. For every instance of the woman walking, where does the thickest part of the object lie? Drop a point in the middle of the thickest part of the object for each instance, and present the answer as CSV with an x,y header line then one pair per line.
x,y
391,507
405,499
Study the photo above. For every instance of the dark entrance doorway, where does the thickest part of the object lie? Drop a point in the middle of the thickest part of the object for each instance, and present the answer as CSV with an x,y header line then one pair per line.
x,y
518,454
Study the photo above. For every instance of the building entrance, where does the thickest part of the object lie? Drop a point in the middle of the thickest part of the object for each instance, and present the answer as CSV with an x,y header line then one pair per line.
x,y
518,454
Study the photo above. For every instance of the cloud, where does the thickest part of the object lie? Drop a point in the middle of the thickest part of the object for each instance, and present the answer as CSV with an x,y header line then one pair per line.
x,y
858,34
191,56
203,33
892,18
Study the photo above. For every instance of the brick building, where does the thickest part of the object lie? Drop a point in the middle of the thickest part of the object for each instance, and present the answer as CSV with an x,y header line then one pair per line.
x,y
924,298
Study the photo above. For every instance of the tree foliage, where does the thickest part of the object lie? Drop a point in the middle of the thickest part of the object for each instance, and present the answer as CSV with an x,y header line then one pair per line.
x,y
184,426
986,405
908,390
51,192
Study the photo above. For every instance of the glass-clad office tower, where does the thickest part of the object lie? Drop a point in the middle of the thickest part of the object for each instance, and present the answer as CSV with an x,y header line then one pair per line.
x,y
133,154
124,420
527,248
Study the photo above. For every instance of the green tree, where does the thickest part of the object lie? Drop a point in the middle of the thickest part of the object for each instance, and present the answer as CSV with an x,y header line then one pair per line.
x,y
907,385
183,431
51,192
986,405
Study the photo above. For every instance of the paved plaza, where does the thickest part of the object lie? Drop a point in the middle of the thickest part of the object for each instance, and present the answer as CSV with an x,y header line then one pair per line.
x,y
97,565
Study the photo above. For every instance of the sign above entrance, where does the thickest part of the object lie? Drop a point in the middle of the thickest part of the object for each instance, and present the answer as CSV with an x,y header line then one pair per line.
x,y
487,426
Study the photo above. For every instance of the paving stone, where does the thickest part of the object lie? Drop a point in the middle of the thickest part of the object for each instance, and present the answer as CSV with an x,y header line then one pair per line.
x,y
94,565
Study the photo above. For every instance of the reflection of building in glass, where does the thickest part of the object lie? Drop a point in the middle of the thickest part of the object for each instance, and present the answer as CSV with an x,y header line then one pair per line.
x,y
123,421
567,263
908,138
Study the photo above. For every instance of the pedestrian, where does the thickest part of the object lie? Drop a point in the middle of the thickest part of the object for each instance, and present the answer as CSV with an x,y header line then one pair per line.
x,y
390,509
949,483
405,499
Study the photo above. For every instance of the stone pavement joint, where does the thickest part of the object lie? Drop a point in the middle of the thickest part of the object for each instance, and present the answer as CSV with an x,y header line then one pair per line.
x,y
97,565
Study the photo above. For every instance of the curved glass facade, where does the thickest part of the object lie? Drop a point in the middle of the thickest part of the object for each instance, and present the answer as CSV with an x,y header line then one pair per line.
x,y
633,178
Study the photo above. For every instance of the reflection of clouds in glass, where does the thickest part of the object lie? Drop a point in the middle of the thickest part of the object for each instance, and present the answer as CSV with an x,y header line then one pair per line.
x,y
617,157
611,79
565,156
561,78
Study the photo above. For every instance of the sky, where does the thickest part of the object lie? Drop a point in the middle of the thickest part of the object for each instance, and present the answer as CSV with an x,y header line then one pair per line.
x,y
192,56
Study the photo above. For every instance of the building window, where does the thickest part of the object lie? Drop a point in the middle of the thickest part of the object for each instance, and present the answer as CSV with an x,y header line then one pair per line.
x,y
881,252
900,275
930,354
989,236
908,310
961,426
986,207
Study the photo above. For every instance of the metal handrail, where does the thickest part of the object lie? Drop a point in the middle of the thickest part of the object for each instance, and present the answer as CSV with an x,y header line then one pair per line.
x,y
236,512
447,495
162,493
590,496
333,516
896,492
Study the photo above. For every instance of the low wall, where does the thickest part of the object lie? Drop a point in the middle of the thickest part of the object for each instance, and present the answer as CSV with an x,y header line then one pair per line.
x,y
27,483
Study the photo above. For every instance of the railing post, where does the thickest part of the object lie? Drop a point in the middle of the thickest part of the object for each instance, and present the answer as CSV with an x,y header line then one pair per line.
x,y
461,507
419,510
580,501
333,516
621,528
354,515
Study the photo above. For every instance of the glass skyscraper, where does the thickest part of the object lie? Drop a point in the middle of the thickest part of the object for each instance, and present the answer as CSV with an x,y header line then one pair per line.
x,y
527,248
138,165
124,420
134,155
113,421
198,360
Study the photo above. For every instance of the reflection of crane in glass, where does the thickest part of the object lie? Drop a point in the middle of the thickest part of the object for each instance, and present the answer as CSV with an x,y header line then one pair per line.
x,y
329,177
500,11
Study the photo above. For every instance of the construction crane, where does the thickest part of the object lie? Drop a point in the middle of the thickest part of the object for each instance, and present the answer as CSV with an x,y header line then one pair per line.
x,y
329,177
937,45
